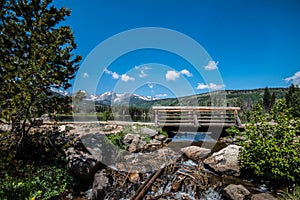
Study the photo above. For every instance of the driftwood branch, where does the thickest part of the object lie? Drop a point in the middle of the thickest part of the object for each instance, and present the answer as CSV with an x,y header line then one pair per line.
x,y
145,186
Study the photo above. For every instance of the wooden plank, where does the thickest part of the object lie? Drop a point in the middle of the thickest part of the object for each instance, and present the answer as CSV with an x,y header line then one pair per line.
x,y
204,108
200,125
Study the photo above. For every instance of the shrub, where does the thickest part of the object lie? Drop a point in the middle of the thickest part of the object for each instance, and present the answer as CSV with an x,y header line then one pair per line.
x,y
232,131
35,170
272,149
116,139
294,194
45,182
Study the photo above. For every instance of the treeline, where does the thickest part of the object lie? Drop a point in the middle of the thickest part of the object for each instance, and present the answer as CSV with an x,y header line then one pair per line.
x,y
267,100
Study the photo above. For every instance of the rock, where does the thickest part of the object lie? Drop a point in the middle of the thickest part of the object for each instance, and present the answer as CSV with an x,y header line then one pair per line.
x,y
62,128
100,185
82,164
225,161
136,139
132,148
148,132
136,144
229,140
141,145
195,152
88,154
127,139
160,137
263,196
236,192
134,177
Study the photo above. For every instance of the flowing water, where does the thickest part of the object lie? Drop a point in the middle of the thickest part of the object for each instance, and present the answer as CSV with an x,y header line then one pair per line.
x,y
185,179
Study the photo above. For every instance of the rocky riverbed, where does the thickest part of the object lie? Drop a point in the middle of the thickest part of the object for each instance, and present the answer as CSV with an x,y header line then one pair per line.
x,y
154,167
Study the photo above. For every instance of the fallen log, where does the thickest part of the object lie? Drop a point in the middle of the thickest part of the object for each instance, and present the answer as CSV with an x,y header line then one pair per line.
x,y
145,186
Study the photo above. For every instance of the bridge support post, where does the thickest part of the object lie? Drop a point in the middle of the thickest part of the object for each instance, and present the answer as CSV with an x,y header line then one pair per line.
x,y
156,117
196,123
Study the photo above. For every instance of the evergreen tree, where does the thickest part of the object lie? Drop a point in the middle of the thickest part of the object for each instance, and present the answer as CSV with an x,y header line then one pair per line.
x,y
293,100
273,99
267,100
36,55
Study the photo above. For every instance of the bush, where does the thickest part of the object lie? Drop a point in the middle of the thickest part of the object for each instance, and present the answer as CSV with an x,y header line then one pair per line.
x,y
272,149
44,182
232,131
116,139
293,194
35,170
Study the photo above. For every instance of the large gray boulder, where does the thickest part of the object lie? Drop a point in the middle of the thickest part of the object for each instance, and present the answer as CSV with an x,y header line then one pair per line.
x,y
236,192
82,164
225,160
101,184
148,132
88,154
195,153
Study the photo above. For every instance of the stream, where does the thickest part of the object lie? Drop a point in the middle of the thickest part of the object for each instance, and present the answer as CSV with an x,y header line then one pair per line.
x,y
182,179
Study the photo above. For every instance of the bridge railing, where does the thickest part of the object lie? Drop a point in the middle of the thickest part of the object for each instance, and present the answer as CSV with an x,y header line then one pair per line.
x,y
196,116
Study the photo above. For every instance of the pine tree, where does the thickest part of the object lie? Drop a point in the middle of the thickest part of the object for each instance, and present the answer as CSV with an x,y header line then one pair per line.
x,y
267,100
273,99
36,55
292,99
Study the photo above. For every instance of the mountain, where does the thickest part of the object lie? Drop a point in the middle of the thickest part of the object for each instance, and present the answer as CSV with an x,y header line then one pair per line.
x,y
113,98
245,99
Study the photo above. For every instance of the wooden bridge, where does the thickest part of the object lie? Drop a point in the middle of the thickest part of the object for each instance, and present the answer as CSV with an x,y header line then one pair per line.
x,y
198,116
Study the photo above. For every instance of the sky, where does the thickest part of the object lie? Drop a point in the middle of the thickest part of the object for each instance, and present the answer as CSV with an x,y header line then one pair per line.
x,y
168,48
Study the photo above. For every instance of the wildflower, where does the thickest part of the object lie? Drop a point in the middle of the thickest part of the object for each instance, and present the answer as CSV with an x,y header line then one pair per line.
x,y
20,183
33,198
39,192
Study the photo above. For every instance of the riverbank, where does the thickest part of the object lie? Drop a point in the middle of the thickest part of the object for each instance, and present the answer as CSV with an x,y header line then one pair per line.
x,y
187,171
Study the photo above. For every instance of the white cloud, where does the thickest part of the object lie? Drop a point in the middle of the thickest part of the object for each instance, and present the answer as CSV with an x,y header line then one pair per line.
x,y
85,75
142,70
114,75
172,75
186,72
295,78
126,78
212,65
210,86
161,95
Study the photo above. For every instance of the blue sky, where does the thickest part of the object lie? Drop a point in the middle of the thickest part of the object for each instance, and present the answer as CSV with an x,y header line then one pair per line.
x,y
250,44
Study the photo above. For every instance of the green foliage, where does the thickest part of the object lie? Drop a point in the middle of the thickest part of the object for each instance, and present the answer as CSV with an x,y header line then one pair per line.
x,y
147,139
107,115
232,131
45,182
293,100
267,100
36,55
38,170
116,139
294,194
163,132
272,149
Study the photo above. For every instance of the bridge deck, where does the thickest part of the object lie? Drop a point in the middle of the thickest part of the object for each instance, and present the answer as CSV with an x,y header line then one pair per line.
x,y
196,116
